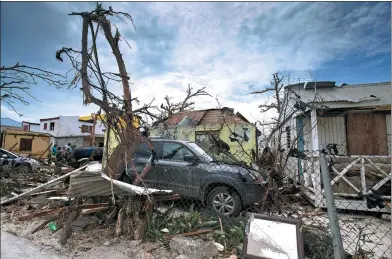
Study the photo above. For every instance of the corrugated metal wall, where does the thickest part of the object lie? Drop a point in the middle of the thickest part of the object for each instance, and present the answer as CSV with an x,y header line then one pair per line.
x,y
332,130
389,132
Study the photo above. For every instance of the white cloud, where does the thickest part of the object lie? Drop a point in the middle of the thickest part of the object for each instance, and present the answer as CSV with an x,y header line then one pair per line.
x,y
6,112
228,47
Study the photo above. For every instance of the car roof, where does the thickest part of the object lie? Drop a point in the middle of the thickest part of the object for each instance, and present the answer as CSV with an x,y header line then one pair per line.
x,y
154,139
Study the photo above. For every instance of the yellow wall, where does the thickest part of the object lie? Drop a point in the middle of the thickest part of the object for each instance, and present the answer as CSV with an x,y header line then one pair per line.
x,y
188,133
41,141
113,141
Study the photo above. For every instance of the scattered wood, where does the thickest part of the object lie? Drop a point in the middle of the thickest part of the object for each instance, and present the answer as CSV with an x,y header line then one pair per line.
x,y
41,226
89,211
14,194
48,191
62,198
120,220
67,231
50,183
195,233
60,210
110,218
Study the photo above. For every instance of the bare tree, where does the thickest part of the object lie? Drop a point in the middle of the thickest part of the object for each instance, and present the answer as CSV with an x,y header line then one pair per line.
x,y
276,88
119,111
170,108
17,81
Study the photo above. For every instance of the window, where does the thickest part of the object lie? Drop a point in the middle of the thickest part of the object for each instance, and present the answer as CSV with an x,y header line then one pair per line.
x,y
86,129
203,138
143,151
25,144
45,126
175,152
51,126
26,127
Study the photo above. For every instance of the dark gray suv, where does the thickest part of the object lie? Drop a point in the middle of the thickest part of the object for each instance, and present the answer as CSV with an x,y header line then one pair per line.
x,y
189,171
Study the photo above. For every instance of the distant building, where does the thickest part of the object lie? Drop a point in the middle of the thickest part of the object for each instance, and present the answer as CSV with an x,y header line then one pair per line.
x,y
239,135
30,126
72,129
26,143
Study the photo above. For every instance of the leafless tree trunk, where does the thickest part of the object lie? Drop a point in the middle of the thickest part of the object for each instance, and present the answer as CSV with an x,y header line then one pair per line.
x,y
118,111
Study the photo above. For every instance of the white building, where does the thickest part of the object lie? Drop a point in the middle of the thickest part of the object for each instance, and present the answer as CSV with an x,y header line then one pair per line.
x,y
356,119
30,126
72,129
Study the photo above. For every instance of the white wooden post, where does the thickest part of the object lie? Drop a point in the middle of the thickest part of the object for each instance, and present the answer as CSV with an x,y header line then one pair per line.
x,y
315,141
315,174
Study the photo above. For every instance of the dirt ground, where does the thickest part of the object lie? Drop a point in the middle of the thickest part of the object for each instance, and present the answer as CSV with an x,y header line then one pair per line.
x,y
90,243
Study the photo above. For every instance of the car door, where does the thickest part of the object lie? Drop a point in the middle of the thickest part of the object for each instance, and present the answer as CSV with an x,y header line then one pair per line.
x,y
140,160
174,169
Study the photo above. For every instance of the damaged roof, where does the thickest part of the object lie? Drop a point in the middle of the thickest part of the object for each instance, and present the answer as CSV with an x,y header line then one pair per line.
x,y
380,92
204,117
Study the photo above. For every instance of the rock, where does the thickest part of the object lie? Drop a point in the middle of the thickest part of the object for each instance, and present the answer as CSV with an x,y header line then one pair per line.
x,y
219,247
111,242
196,249
233,257
162,253
80,224
148,247
182,257
165,230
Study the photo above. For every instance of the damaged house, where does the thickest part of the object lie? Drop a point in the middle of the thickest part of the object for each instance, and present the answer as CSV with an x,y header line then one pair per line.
x,y
238,134
353,122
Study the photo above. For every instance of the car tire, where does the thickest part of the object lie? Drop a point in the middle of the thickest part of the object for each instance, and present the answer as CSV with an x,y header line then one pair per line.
x,y
24,168
224,201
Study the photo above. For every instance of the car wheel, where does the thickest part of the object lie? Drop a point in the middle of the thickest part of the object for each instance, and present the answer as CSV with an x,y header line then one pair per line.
x,y
24,169
224,201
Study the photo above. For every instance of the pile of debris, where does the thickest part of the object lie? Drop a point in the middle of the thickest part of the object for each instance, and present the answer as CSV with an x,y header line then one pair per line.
x,y
14,183
88,200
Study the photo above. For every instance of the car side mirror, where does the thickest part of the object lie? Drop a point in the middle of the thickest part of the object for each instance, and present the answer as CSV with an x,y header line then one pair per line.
x,y
191,159
4,156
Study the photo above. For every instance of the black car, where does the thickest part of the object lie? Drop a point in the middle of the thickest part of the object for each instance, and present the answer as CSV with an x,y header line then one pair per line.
x,y
188,170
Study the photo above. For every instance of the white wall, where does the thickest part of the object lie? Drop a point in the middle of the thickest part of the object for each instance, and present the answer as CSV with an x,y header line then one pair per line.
x,y
389,132
35,128
332,130
54,132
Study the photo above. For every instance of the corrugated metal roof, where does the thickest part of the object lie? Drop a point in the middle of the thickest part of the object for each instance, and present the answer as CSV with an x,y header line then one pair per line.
x,y
10,123
346,93
92,182
195,116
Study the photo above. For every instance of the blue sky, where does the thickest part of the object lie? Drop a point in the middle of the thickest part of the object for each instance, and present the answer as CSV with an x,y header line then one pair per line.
x,y
231,48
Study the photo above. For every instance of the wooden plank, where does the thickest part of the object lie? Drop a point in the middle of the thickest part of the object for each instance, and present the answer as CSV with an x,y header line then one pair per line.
x,y
342,173
378,168
367,134
346,181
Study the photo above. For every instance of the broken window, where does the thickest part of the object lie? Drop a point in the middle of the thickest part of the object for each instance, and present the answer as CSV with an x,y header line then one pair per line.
x,y
203,140
175,152
26,144
45,126
51,126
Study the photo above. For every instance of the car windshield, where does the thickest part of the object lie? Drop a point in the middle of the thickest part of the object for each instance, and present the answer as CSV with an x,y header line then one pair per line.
x,y
10,154
201,151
